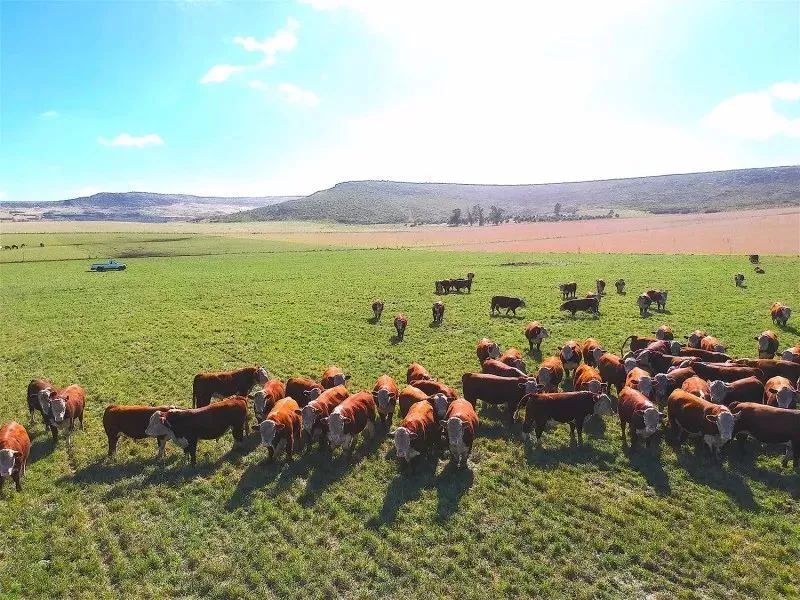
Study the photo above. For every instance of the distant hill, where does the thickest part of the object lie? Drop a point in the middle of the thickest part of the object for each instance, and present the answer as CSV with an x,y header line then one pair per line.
x,y
134,206
400,202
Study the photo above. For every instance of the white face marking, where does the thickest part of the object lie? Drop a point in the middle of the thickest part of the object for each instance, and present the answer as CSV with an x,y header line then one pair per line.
x,y
262,375
785,396
643,301
338,379
645,385
531,386
545,375
720,348
630,363
58,406
597,353
788,355
308,416
494,350
44,400
7,458
335,428
660,385
259,404
651,419
155,428
725,426
594,386
763,343
440,405
603,406
694,340
383,400
719,389
675,348
402,442
267,429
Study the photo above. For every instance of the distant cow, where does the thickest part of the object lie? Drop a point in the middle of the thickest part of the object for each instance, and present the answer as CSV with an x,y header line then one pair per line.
x,y
767,344
738,280
643,302
487,349
15,447
620,285
550,373
659,297
510,303
492,389
778,391
418,432
565,407
313,414
590,305
601,287
281,429
438,312
769,368
333,376
416,372
34,406
535,334
441,286
693,339
265,399
638,412
222,384
754,258
131,421
760,271
640,380
780,314
749,389
351,417
459,284
461,426
385,393
568,290
65,407
400,324
690,414
770,425
377,310
513,358
302,389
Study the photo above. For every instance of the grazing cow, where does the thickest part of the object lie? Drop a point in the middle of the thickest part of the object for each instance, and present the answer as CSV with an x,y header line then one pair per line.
x,y
760,271
601,287
587,378
34,406
441,286
281,429
570,355
438,312
565,407
659,297
636,410
64,408
313,414
791,354
351,417
767,344
590,305
658,362
688,413
725,372
771,368
640,380
693,339
461,425
222,384
778,391
492,389
459,284
400,324
749,389
15,446
131,421
333,376
738,280
666,383
704,355
418,432
264,400
697,386
186,426
550,373
620,285
495,367
711,344
385,393
587,351
510,303
302,389
377,310
643,302
568,290
432,387
487,349
611,367
535,334
416,372
409,395
513,358
780,314
754,258
770,425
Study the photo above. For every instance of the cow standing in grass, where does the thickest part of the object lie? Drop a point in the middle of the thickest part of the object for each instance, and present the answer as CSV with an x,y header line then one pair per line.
x,y
221,384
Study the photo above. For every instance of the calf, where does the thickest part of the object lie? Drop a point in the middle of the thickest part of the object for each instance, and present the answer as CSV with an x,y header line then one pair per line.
x,y
767,344
749,389
438,312
640,380
662,346
600,286
416,372
568,290
351,417
281,428
535,335
693,339
65,407
333,376
643,302
587,378
385,394
550,373
738,280
587,351
377,310
492,389
510,303
620,285
724,372
666,383
186,426
15,446
400,324
636,410
570,356
770,425
222,384
313,414
711,344
688,413
34,406
697,387
780,314
779,392
131,421
495,367
487,349
611,367
302,389
590,305
565,407
704,355
418,432
513,358
772,368
265,399
461,426
409,395
759,270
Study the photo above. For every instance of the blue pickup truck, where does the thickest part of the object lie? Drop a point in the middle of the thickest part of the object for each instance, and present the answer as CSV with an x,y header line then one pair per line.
x,y
111,265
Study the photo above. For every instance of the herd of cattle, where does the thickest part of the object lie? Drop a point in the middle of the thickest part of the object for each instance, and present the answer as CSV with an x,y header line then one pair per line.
x,y
704,391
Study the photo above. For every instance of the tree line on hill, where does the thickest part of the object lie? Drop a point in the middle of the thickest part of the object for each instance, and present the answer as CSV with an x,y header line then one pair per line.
x,y
476,216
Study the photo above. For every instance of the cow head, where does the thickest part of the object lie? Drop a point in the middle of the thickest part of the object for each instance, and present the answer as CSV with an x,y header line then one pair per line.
x,y
620,284
784,396
455,435
440,403
339,379
596,387
493,350
44,400
719,390
312,394
531,386
383,399
402,443
643,301
8,458
158,426
522,304
790,354
569,353
664,333
693,339
631,363
603,405
545,376
517,363
646,385
269,431
336,425
308,415
786,312
262,375
259,404
651,418
724,421
58,409
765,344
597,353
660,385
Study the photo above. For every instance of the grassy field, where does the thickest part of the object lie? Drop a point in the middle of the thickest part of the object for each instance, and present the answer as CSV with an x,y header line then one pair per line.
x,y
560,521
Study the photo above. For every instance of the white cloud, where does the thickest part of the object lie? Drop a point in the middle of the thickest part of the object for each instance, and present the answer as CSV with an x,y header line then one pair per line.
x,y
296,95
49,114
221,73
753,116
132,141
283,40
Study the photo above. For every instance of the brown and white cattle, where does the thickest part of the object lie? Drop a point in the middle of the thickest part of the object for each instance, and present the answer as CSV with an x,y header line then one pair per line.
x,y
377,310
778,391
573,408
666,383
659,297
416,372
697,386
587,350
550,373
611,367
333,376
780,314
711,344
15,447
486,348
400,324
725,372
643,301
693,339
491,389
749,389
791,354
693,415
385,393
767,344
771,368
461,426
510,303
281,429
620,285
34,406
221,384
535,334
433,387
770,425
302,389
600,286
350,418
640,380
418,432
658,362
131,421
409,395
738,280
313,414
570,355
64,407
513,358
438,312
638,412
568,290
664,332
495,367
587,378
266,398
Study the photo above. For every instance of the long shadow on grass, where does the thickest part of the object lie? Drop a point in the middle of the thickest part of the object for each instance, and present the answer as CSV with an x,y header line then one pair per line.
x,y
701,466
791,329
451,485
41,447
553,457
406,487
649,462
743,457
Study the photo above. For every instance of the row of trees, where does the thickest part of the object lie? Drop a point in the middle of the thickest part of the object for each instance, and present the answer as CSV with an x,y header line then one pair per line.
x,y
475,215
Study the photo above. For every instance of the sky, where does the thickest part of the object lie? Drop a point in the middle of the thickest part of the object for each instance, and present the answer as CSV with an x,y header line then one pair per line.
x,y
253,98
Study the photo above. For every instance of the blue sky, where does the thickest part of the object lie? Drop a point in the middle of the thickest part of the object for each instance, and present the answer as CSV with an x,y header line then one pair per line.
x,y
256,98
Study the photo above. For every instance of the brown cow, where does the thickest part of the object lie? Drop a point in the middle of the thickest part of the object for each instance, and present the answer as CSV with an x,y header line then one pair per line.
x,y
351,417
587,378
433,387
64,408
416,372
640,380
600,285
550,373
568,290
130,421
303,389
658,362
461,425
791,354
377,310
698,387
486,348
313,414
738,280
34,406
570,355
535,334
513,358
611,367
15,446
693,339
565,407
659,297
771,368
438,312
704,355
417,432
711,344
186,426
333,376
664,332
637,411
780,314
770,425
409,395
725,372
688,413
510,303
666,383
400,324
222,384
779,392
281,428
492,389
587,351
495,367
385,393
749,389
767,344
265,399
590,305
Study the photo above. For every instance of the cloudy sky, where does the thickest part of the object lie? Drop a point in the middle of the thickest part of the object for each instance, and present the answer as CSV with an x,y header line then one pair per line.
x,y
256,97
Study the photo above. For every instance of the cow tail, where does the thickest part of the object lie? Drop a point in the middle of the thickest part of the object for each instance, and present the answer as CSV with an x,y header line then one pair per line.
x,y
622,349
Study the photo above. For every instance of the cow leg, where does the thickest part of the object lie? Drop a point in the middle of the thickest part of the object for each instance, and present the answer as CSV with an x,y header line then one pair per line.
x,y
270,453
17,483
369,430
112,444
80,418
579,427
191,448
796,452
571,431
290,447
54,433
33,416
622,430
162,445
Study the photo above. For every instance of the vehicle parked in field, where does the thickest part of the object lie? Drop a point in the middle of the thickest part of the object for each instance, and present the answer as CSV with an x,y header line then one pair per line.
x,y
111,265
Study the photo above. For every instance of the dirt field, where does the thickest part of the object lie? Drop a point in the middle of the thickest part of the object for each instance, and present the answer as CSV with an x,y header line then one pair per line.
x,y
775,231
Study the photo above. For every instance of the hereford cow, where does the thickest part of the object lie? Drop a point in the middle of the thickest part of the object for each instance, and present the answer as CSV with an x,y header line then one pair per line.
x,y
738,280
416,372
590,305
725,372
510,303
770,425
432,387
711,344
658,362
587,350
351,417
487,349
767,344
749,389
385,394
461,426
400,324
186,426
409,395
759,270
302,389
703,355
699,387
587,378
640,380
568,290
600,285
620,285
754,258
637,343
333,376
34,406
265,399
495,367
666,383
64,408
550,373
611,367
778,391
643,302
418,432
664,332
441,286
313,414
131,421
771,368
15,446
281,429
570,355
780,314
791,354
222,384
663,346
438,312
513,358
659,297
693,339
573,408
536,334
689,414
377,310
492,389
638,412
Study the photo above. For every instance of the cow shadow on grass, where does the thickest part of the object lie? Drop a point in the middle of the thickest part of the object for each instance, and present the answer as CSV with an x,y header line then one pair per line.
x,y
553,457
406,487
451,485
535,354
373,320
648,461
790,329
42,447
744,457
699,464
395,339
506,316
434,324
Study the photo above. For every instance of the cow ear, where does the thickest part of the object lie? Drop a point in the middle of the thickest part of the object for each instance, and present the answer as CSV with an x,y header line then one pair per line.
x,y
711,418
297,411
772,391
